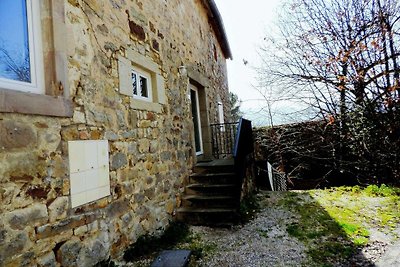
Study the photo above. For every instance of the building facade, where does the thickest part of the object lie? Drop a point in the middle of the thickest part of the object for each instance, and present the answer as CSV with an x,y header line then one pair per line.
x,y
105,107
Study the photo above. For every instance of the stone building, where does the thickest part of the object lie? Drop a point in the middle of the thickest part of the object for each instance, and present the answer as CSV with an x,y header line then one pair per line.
x,y
105,106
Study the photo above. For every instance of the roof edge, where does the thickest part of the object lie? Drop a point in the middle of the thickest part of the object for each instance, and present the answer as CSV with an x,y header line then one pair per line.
x,y
218,26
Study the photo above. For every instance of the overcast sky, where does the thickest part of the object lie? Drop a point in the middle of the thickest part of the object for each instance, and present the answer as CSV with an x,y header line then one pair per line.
x,y
246,23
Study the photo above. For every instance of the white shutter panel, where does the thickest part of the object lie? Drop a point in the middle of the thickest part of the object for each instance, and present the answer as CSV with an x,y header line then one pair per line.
x,y
125,80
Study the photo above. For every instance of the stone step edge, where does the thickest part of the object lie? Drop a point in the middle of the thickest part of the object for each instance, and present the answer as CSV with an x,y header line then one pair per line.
x,y
196,175
192,186
207,197
205,210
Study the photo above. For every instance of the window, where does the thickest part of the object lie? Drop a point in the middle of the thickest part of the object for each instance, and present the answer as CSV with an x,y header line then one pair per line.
x,y
140,78
141,85
21,59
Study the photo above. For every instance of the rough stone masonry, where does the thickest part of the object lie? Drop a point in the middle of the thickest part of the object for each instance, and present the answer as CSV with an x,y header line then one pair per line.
x,y
150,150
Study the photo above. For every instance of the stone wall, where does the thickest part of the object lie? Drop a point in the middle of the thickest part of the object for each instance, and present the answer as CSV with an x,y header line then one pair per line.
x,y
151,153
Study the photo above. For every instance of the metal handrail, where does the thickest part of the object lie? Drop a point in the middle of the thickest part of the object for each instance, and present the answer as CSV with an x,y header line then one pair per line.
x,y
223,138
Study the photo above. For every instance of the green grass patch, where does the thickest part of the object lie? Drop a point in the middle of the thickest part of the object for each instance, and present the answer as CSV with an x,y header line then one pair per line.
x,y
249,207
334,222
321,234
381,191
199,248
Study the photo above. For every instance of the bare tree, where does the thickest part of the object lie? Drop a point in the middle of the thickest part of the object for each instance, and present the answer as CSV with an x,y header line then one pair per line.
x,y
340,57
235,103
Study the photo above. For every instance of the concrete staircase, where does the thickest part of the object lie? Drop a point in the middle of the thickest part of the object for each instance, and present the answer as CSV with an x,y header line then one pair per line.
x,y
211,195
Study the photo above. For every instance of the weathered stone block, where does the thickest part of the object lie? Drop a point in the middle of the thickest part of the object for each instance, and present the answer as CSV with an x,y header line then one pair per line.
x,y
69,253
144,145
166,155
109,135
145,124
48,260
118,160
58,209
18,243
49,230
129,134
138,198
59,167
97,249
69,133
81,230
16,135
32,216
154,146
117,208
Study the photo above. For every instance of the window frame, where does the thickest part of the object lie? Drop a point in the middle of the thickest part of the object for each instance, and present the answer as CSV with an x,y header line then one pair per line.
x,y
142,74
36,85
55,101
221,119
144,64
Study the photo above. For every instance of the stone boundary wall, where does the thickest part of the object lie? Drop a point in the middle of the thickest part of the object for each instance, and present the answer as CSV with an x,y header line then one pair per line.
x,y
302,151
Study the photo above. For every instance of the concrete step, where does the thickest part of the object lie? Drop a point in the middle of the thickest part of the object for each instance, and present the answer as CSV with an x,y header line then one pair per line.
x,y
208,216
208,201
211,189
213,178
215,166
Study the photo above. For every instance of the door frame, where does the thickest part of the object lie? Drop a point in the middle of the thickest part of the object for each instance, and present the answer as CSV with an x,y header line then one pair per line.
x,y
192,87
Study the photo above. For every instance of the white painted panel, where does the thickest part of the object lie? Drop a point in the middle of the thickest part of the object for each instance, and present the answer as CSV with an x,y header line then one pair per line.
x,y
77,181
78,199
104,191
89,171
97,193
103,176
102,153
91,155
76,151
93,195
91,181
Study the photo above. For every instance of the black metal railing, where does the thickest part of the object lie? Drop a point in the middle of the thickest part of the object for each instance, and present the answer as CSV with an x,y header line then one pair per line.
x,y
243,154
223,136
244,144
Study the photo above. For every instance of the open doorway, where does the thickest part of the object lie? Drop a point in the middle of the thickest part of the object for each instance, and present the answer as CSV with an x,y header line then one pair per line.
x,y
195,108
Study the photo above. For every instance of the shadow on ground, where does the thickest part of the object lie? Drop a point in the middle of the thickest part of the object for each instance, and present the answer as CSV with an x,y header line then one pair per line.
x,y
328,242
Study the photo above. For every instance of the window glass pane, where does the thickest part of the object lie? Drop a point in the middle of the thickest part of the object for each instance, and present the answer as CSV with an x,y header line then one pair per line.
x,y
134,83
143,87
14,41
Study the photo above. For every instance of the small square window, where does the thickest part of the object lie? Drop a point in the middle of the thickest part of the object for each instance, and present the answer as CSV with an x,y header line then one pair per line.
x,y
141,79
140,85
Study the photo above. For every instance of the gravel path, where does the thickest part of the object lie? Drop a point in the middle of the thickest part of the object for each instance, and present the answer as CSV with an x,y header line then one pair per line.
x,y
264,241
261,242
